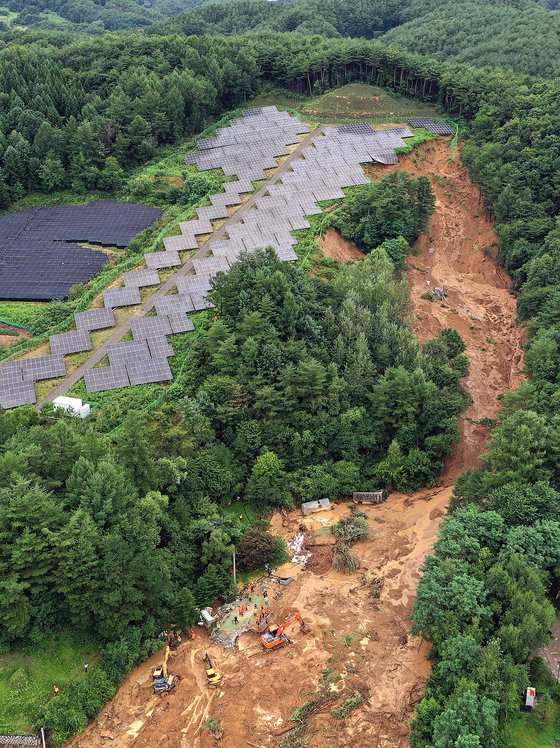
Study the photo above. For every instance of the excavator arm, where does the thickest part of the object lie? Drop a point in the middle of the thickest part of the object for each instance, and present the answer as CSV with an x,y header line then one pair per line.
x,y
165,659
274,638
294,619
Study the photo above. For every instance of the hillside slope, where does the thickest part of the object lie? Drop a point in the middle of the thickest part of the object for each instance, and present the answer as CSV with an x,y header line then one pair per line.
x,y
92,15
367,641
516,34
485,34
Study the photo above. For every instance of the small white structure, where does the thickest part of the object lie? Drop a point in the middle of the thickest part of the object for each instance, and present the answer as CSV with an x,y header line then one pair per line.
x,y
530,695
309,507
370,497
72,405
207,619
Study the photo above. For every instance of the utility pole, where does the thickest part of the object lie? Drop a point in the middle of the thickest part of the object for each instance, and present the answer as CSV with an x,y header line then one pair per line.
x,y
234,573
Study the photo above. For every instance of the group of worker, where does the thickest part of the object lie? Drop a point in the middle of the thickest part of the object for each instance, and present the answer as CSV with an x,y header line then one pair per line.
x,y
244,607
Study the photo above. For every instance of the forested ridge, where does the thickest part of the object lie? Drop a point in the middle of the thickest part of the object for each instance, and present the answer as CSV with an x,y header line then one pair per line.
x,y
516,34
91,16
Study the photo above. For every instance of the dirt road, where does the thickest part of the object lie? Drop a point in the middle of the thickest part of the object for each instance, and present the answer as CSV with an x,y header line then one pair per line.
x,y
158,292
364,643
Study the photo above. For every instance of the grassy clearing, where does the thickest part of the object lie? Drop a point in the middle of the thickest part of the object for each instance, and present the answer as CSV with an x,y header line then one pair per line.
x,y
247,515
541,728
23,313
526,732
360,101
28,676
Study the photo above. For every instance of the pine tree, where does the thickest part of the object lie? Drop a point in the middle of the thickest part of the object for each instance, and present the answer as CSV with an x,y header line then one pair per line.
x,y
78,568
51,173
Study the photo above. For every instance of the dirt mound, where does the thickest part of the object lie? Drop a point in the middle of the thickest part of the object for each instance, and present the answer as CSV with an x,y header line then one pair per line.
x,y
321,559
359,632
337,247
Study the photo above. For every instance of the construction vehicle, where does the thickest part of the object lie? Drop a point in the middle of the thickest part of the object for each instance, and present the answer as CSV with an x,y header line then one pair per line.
x,y
213,677
163,681
275,638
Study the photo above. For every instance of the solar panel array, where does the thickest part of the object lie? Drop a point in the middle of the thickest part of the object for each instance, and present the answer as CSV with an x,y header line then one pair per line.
x,y
428,124
39,255
329,164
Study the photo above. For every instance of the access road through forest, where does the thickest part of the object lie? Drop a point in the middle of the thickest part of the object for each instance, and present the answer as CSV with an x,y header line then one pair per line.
x,y
203,251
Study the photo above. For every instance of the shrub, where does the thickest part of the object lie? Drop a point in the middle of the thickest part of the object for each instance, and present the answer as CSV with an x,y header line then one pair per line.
x,y
256,548
121,656
69,711
351,529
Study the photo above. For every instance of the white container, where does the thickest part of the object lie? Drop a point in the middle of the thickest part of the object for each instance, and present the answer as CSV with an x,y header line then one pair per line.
x,y
72,405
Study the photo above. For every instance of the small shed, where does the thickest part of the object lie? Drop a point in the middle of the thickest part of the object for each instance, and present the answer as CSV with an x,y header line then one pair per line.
x,y
207,619
310,507
530,695
370,497
72,405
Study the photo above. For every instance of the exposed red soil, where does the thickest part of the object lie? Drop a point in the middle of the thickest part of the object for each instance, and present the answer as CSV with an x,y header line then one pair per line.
x,y
333,245
480,305
367,641
12,339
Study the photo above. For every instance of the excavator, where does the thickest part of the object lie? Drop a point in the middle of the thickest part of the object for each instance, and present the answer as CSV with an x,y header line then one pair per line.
x,y
213,677
164,682
275,638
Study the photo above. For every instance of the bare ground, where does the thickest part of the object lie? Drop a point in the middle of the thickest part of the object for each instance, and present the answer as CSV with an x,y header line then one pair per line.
x,y
12,339
333,245
479,306
367,641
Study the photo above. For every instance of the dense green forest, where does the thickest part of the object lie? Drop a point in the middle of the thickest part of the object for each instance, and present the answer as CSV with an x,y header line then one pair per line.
x,y
519,36
91,16
392,212
516,34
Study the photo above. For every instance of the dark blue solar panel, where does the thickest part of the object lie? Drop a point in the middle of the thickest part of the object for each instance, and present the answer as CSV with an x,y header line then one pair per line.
x,y
39,255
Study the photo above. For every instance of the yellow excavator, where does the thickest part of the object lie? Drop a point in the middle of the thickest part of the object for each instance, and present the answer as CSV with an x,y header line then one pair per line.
x,y
164,682
213,677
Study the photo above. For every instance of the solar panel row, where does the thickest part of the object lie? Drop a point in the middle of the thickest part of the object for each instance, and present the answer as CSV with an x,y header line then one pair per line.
x,y
431,126
330,164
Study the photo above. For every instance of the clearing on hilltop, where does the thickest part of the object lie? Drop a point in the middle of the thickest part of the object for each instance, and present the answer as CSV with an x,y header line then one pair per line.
x,y
359,101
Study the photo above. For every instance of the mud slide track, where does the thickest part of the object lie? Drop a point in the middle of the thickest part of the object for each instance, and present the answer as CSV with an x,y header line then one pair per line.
x,y
368,642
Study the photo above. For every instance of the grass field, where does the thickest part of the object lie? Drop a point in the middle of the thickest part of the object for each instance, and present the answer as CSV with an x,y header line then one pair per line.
x,y
21,312
28,676
525,732
350,103
359,101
